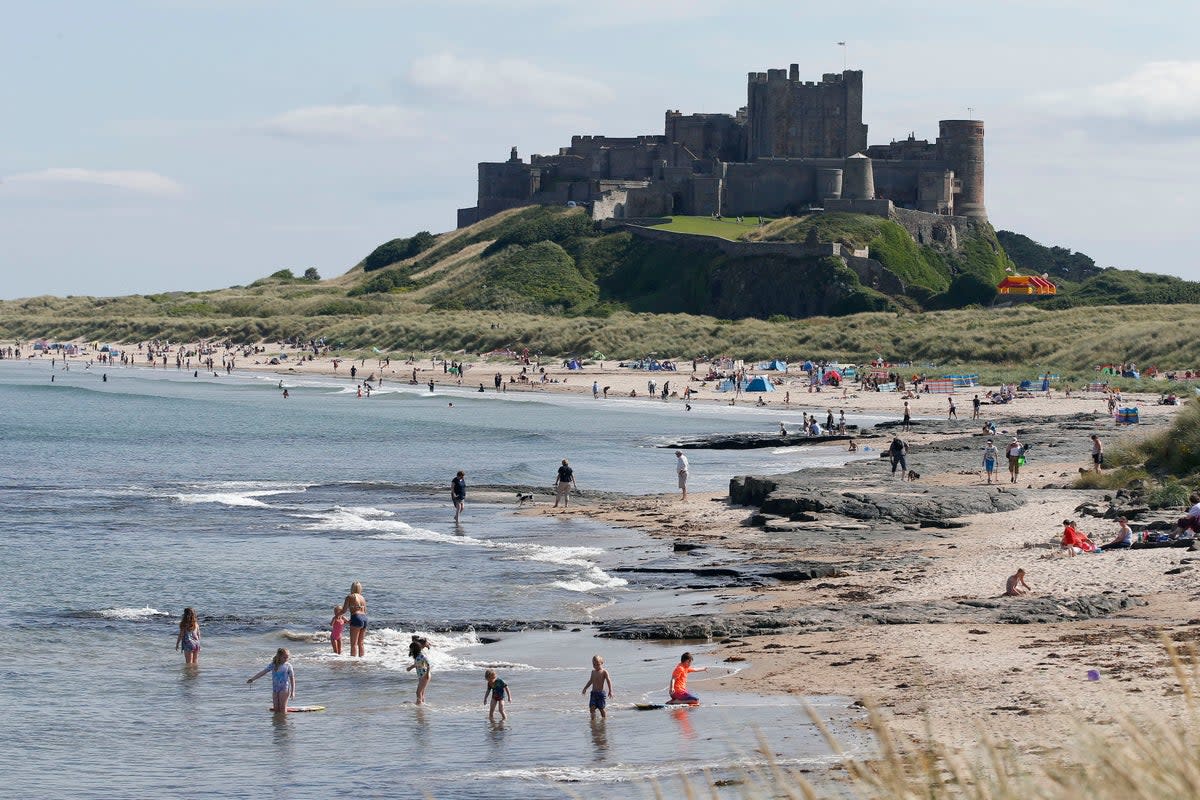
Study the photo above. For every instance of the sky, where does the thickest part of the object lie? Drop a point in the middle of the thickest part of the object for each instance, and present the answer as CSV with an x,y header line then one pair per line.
x,y
157,145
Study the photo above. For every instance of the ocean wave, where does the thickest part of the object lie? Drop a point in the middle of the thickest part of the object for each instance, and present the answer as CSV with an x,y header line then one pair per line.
x,y
127,614
237,493
387,648
377,524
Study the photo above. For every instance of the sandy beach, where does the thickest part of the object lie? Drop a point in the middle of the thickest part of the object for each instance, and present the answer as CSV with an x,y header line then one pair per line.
x,y
1025,684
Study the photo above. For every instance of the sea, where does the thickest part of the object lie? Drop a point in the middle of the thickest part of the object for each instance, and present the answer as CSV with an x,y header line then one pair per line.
x,y
124,500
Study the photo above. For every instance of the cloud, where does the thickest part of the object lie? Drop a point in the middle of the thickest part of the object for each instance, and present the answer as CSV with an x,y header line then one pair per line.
x,y
1160,95
349,123
505,82
140,181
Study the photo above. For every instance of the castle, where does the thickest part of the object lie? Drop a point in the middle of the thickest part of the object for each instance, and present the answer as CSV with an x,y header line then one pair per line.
x,y
796,145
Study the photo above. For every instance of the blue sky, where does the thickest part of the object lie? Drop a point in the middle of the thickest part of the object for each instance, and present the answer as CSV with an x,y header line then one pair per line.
x,y
153,145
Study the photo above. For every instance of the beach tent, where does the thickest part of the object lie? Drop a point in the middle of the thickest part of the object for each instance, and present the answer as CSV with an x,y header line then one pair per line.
x,y
1026,284
759,384
598,356
1127,416
832,377
776,365
573,364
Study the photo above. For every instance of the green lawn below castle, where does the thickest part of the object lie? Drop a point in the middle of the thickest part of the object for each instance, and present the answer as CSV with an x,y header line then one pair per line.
x,y
727,228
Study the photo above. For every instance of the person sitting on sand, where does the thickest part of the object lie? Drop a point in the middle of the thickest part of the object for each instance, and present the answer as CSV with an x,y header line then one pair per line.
x,y
1191,522
1016,585
1073,541
853,447
1124,539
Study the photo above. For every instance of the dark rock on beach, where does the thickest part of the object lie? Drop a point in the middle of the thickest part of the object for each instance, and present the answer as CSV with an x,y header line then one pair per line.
x,y
748,441
807,619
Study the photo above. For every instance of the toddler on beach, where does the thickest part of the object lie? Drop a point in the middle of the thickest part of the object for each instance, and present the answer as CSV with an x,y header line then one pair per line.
x,y
679,692
283,680
336,626
596,683
416,650
499,692
188,639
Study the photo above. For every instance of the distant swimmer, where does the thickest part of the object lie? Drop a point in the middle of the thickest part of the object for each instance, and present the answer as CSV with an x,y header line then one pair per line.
x,y
104,377
285,394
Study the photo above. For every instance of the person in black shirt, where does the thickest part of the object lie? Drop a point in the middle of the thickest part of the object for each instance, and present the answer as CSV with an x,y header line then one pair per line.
x,y
898,450
563,483
458,493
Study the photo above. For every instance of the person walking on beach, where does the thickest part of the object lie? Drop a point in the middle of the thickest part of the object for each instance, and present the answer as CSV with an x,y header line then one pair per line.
x,y
188,639
598,699
678,689
356,604
499,692
898,451
458,494
595,390
564,482
990,454
681,470
975,407
1014,453
283,680
953,409
416,650
1097,454
907,418
1016,585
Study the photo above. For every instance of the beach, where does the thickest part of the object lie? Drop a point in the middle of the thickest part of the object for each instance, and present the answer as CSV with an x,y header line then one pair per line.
x,y
959,677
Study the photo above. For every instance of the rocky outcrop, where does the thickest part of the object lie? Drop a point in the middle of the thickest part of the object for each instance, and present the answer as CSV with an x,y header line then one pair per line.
x,y
749,441
930,506
808,619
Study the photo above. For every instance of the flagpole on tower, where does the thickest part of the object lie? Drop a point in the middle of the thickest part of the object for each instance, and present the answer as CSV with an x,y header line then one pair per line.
x,y
844,58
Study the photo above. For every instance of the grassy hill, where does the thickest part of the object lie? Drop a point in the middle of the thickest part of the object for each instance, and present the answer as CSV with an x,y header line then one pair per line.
x,y
550,280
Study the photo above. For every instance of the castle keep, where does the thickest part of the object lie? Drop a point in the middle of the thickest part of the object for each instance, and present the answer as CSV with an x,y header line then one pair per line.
x,y
796,145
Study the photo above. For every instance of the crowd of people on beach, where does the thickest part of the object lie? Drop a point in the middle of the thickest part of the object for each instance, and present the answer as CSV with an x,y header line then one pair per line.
x,y
497,692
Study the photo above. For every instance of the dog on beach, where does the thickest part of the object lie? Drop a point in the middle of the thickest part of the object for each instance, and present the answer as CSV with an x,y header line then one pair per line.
x,y
523,498
913,475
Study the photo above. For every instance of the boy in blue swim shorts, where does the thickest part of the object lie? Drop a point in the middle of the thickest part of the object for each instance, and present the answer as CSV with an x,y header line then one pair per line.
x,y
596,682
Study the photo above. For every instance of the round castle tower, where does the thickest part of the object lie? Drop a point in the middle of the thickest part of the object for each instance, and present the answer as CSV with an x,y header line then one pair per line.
x,y
960,145
858,180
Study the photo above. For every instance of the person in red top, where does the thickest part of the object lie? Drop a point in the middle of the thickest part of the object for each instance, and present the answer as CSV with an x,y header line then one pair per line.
x,y
679,692
1073,541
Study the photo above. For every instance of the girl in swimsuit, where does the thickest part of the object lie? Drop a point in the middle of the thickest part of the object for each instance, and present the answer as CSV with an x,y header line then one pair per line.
x,y
356,604
188,639
421,665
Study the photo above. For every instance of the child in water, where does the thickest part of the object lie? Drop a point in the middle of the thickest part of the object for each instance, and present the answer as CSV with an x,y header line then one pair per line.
x,y
596,683
416,650
188,639
336,626
499,691
283,680
679,692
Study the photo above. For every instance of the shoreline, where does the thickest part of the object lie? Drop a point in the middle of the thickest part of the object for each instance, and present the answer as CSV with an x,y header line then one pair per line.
x,y
1025,684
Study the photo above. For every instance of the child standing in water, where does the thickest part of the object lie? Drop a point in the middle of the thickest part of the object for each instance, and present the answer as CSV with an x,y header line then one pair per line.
x,y
188,639
679,692
421,664
336,626
283,680
596,683
498,689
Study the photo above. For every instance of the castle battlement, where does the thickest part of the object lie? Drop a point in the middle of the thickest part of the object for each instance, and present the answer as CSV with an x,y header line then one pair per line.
x,y
795,145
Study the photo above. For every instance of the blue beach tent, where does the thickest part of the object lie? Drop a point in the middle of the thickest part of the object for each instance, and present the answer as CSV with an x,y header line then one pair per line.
x,y
759,384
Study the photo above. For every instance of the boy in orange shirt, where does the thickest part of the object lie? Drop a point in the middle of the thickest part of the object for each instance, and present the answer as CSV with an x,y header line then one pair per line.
x,y
679,692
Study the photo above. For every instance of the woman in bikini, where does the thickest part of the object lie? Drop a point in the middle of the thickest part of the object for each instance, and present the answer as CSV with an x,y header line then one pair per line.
x,y
356,605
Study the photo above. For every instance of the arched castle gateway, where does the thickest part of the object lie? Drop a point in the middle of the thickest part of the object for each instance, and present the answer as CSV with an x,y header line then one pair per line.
x,y
796,145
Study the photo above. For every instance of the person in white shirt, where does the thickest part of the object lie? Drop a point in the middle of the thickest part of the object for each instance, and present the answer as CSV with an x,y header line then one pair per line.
x,y
681,469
